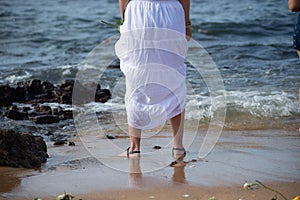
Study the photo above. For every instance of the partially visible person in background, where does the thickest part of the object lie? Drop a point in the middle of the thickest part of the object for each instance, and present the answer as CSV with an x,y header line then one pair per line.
x,y
294,6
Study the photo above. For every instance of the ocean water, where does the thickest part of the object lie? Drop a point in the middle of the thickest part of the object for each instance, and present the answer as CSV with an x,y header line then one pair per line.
x,y
250,41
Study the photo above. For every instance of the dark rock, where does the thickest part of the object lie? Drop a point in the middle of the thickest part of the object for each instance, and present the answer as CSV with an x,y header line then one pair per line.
x,y
45,109
66,98
157,147
45,119
35,87
47,86
26,109
71,143
21,149
16,115
19,94
102,96
110,137
5,96
59,142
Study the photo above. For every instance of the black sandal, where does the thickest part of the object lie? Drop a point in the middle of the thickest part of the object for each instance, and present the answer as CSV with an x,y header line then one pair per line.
x,y
131,152
179,149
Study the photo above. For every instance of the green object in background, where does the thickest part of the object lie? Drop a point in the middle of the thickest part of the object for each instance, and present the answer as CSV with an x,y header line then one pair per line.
x,y
116,25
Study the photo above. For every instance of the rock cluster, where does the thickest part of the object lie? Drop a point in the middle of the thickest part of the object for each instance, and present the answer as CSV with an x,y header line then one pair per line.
x,y
35,92
30,100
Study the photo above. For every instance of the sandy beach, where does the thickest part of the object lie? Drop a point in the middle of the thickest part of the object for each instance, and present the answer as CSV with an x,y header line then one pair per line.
x,y
191,192
270,156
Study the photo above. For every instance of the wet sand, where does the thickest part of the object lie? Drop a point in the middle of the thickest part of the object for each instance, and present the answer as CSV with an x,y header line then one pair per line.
x,y
198,193
290,190
271,156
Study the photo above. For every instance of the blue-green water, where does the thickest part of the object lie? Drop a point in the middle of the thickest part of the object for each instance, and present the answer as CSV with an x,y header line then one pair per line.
x,y
250,41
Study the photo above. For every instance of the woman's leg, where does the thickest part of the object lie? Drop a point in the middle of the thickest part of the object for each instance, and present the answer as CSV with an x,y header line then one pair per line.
x,y
135,138
177,123
298,53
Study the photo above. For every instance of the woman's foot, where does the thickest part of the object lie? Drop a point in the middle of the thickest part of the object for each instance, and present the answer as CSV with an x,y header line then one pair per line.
x,y
178,153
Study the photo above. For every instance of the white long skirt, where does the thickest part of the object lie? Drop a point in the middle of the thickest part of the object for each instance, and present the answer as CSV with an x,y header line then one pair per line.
x,y
152,49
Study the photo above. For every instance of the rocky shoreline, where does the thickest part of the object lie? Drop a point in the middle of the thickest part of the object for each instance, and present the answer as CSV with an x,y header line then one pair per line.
x,y
35,92
27,119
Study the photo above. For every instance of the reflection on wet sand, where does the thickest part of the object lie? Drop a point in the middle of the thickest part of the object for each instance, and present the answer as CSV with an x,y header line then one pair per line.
x,y
136,179
179,175
135,174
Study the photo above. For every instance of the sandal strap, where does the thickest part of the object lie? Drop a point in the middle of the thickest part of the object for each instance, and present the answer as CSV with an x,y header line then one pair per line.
x,y
131,152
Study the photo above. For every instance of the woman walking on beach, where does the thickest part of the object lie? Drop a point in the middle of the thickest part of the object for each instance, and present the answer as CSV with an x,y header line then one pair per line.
x,y
154,38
